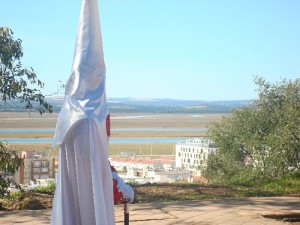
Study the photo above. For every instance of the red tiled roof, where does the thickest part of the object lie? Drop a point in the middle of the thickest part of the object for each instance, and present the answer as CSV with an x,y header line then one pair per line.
x,y
148,161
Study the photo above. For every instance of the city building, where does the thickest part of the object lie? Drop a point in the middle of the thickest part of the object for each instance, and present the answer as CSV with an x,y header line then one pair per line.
x,y
193,153
128,163
172,176
146,170
35,167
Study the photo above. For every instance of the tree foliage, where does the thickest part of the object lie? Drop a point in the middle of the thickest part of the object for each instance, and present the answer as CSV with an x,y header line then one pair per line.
x,y
17,82
261,140
9,163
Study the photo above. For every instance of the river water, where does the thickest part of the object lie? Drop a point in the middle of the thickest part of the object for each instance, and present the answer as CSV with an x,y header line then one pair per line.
x,y
112,140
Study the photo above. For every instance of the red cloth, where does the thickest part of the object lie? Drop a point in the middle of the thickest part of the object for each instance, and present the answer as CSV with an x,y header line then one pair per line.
x,y
117,195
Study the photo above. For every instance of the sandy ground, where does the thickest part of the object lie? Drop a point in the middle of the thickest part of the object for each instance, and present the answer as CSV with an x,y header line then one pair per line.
x,y
15,120
9,120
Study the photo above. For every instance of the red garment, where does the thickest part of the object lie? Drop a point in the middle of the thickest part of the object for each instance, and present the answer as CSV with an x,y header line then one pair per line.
x,y
117,195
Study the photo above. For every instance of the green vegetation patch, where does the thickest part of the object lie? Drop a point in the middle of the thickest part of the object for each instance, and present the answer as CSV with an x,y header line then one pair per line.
x,y
289,185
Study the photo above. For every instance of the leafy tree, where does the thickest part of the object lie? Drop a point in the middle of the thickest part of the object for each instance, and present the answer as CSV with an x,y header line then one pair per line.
x,y
9,163
14,79
16,84
261,140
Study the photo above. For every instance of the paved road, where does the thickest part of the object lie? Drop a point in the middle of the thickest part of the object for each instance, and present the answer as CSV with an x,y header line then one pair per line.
x,y
247,211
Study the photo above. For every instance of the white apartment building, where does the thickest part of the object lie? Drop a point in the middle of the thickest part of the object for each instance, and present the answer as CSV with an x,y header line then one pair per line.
x,y
192,154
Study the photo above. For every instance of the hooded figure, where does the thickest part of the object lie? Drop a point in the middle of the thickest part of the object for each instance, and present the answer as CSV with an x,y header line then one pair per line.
x,y
84,183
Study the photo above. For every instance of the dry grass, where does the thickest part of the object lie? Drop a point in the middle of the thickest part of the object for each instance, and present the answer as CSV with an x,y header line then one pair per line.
x,y
34,120
15,120
114,149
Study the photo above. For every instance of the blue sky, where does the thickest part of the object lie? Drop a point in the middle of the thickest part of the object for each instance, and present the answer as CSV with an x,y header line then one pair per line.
x,y
180,49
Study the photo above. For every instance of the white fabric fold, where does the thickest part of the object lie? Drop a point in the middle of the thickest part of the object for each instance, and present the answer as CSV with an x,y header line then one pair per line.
x,y
84,193
84,189
85,90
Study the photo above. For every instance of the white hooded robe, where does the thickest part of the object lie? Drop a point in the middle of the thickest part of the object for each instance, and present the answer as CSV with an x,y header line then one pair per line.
x,y
84,193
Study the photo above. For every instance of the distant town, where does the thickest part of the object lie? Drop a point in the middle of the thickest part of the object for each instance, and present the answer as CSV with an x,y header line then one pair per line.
x,y
186,165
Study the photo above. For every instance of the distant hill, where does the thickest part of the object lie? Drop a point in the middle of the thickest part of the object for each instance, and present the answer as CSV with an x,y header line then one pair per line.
x,y
173,105
134,105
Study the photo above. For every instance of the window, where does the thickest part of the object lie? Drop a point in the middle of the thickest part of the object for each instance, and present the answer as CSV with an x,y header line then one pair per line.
x,y
45,170
44,176
36,170
45,164
36,163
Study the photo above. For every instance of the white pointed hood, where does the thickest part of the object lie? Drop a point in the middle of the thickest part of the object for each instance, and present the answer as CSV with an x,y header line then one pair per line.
x,y
85,90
